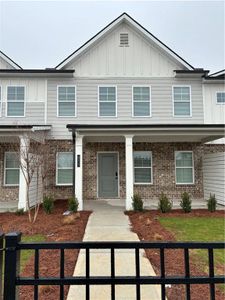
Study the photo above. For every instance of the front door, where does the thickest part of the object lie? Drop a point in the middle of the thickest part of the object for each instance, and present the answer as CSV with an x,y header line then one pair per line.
x,y
107,175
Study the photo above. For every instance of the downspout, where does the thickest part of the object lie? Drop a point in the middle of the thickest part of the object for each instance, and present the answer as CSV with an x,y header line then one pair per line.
x,y
74,161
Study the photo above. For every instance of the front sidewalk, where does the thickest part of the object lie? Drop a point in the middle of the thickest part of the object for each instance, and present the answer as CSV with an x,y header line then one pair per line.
x,y
108,223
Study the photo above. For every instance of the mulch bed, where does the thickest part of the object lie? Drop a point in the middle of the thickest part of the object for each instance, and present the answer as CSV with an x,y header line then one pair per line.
x,y
51,227
148,228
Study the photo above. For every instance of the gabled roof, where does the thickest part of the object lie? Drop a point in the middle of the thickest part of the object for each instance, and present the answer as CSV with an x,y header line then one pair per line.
x,y
218,74
10,61
125,17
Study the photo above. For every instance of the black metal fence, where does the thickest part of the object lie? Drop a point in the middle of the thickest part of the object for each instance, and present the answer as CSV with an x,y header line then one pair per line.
x,y
13,247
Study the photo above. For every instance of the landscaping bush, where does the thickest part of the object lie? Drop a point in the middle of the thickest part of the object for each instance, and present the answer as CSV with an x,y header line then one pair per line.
x,y
19,212
73,204
164,204
185,202
48,204
137,203
211,203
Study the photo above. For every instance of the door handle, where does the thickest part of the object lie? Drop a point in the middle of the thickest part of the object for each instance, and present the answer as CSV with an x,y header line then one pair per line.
x,y
116,175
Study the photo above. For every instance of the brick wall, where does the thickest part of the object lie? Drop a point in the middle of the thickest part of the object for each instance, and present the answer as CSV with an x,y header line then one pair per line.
x,y
163,169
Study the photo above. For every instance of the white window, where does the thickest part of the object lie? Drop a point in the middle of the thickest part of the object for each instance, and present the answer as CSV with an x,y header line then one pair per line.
x,y
107,101
182,101
15,101
184,167
66,101
64,168
142,167
141,101
12,169
220,97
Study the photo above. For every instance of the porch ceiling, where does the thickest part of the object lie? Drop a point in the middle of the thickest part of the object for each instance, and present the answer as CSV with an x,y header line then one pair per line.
x,y
149,133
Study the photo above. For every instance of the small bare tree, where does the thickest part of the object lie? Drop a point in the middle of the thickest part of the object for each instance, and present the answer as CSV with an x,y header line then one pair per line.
x,y
34,161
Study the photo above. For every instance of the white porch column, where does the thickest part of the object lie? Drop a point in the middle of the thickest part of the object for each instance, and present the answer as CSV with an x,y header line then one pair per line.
x,y
129,170
24,147
79,170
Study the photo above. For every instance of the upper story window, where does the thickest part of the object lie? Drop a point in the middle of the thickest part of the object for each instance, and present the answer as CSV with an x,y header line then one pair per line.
x,y
12,169
182,101
66,101
184,167
64,168
15,101
220,97
142,167
141,101
107,101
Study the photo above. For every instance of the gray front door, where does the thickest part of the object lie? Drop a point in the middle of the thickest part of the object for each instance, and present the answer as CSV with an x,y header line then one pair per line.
x,y
107,175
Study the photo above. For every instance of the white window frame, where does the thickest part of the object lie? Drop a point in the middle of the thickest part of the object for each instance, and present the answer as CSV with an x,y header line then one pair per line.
x,y
75,101
5,169
173,102
150,101
56,180
24,107
107,85
193,168
219,103
144,183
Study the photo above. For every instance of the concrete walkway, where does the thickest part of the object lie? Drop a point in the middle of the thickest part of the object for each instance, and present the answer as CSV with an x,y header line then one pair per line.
x,y
108,223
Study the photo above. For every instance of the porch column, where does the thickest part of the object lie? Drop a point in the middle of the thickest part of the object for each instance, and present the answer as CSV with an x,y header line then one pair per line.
x,y
79,171
129,170
24,147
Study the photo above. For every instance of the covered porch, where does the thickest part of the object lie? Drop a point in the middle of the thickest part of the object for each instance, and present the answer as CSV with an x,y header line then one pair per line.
x,y
120,146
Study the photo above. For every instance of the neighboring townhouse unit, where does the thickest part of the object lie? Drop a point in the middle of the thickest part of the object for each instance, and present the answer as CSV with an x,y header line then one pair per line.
x,y
123,114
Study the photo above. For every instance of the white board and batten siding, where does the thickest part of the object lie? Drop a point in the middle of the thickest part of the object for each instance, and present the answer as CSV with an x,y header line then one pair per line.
x,y
214,176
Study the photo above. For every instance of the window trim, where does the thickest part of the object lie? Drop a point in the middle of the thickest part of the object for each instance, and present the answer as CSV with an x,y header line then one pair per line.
x,y
193,168
150,100
182,116
4,182
143,183
56,179
106,85
219,103
75,101
24,107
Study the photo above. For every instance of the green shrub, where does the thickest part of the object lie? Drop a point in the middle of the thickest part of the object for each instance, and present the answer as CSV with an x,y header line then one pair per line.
x,y
211,203
164,204
73,204
185,202
48,204
19,212
137,203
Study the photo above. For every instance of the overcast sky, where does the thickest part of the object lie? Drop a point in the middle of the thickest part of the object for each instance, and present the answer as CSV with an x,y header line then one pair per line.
x,y
40,34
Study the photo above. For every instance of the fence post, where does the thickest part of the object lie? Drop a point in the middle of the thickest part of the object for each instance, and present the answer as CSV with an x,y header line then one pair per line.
x,y
1,265
12,265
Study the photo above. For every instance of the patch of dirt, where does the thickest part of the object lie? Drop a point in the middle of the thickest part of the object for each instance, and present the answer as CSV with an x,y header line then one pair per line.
x,y
148,228
52,228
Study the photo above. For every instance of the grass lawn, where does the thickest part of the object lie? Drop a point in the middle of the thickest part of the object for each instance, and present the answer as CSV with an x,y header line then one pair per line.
x,y
199,229
26,254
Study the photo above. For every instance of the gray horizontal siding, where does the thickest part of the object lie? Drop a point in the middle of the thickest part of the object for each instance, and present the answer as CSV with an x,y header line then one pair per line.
x,y
34,114
214,176
87,103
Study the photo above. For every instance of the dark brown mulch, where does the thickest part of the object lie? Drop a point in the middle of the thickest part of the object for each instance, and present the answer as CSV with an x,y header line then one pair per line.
x,y
51,227
174,259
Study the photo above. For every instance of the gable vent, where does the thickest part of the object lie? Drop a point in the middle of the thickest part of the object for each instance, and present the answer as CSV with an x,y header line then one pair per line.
x,y
124,41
